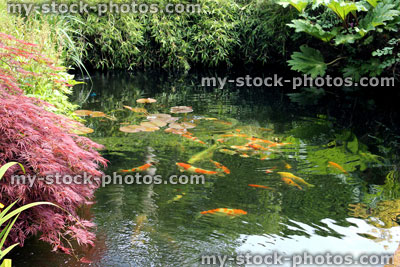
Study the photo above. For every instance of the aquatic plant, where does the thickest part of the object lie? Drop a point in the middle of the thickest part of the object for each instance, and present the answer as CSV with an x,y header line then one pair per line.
x,y
6,215
43,143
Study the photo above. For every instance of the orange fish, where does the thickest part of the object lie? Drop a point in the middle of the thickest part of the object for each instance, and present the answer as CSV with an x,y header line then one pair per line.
x,y
190,168
259,186
140,168
230,212
254,139
220,166
256,146
221,140
270,170
193,138
291,182
234,135
244,155
238,130
337,166
287,165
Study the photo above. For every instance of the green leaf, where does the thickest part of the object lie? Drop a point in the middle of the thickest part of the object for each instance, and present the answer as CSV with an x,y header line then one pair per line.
x,y
373,2
343,8
6,166
309,61
347,38
380,15
300,5
315,30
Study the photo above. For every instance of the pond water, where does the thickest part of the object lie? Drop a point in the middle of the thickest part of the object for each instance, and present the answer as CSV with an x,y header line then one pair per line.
x,y
161,225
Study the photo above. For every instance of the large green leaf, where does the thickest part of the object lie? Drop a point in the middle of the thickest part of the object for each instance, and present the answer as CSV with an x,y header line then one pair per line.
x,y
342,8
302,25
309,61
380,15
300,5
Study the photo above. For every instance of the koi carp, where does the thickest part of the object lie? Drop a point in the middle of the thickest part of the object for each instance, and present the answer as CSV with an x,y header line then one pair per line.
x,y
140,168
294,177
189,168
260,186
290,182
337,166
225,211
221,167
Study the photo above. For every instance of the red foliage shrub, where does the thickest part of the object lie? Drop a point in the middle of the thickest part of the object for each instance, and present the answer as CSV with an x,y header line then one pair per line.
x,y
42,141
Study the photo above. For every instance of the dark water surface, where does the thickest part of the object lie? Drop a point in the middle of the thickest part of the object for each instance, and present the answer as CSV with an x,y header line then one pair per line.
x,y
150,225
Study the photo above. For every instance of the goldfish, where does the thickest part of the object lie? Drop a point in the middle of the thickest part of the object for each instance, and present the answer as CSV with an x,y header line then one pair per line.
x,y
270,170
176,198
294,177
259,186
222,167
140,168
193,138
244,155
291,182
287,165
256,146
279,144
238,130
203,155
254,139
221,140
233,135
225,211
241,148
190,168
337,166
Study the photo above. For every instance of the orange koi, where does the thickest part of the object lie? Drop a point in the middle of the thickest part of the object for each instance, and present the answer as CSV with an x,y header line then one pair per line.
x,y
256,146
140,168
234,135
254,139
230,212
259,186
294,177
287,165
337,166
270,170
193,138
291,182
190,168
220,166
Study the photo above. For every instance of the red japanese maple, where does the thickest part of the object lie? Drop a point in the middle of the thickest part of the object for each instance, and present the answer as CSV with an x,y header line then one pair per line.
x,y
42,141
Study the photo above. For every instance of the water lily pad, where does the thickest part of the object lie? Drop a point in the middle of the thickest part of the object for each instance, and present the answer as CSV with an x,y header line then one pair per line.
x,y
80,129
82,112
188,125
159,123
148,124
175,131
176,126
137,110
97,114
181,109
131,129
158,116
146,100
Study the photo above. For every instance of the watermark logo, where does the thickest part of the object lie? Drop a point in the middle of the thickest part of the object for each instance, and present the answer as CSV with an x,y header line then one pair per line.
x,y
82,7
114,178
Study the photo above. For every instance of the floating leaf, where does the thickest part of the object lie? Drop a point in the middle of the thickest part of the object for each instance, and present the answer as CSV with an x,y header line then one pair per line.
x,y
146,100
188,125
80,129
132,129
158,123
137,110
181,109
82,112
